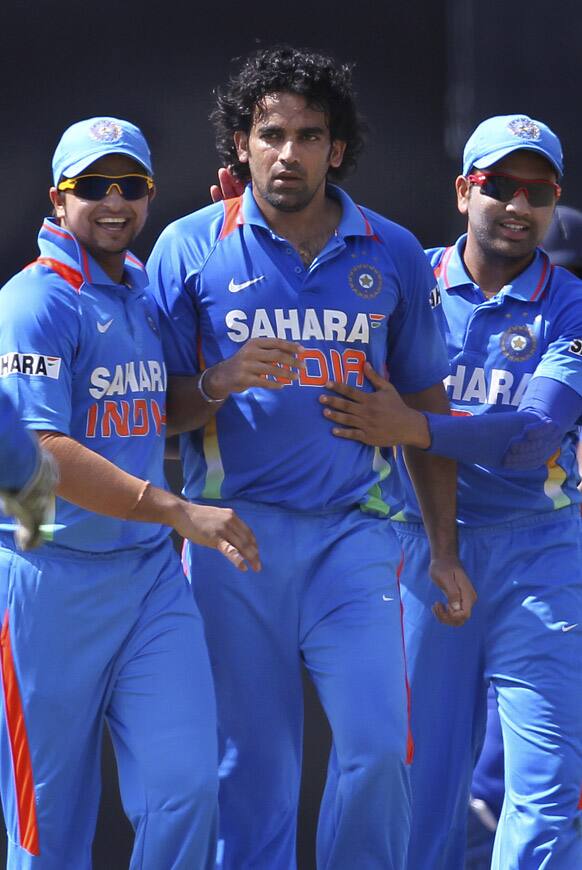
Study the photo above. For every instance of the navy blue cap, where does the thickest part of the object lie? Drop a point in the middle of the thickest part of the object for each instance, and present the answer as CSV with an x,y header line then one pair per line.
x,y
499,136
86,141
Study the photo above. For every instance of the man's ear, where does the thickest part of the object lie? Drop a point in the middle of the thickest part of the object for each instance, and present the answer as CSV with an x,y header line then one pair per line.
x,y
58,201
463,188
241,143
336,153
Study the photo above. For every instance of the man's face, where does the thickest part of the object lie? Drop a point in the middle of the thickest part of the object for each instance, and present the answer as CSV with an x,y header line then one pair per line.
x,y
107,226
513,229
289,151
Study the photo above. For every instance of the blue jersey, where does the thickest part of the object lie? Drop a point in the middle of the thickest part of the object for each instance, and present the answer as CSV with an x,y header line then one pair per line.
x,y
18,450
531,328
82,355
222,276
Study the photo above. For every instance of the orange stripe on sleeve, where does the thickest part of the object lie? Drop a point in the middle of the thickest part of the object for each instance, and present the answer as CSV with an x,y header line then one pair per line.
x,y
21,762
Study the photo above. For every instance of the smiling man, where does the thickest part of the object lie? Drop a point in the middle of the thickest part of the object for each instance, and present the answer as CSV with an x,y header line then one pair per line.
x,y
279,290
513,327
98,623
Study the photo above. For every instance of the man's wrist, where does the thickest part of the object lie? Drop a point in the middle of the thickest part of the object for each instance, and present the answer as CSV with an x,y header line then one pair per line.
x,y
419,431
205,389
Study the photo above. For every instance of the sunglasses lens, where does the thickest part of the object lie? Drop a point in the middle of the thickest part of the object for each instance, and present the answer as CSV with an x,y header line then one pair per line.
x,y
503,188
95,187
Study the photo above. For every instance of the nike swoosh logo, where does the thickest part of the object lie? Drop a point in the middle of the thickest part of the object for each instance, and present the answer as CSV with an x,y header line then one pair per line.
x,y
569,627
387,598
236,288
103,327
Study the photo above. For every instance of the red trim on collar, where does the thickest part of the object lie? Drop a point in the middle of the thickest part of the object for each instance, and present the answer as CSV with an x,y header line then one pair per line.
x,y
70,275
442,266
233,216
134,260
367,225
63,234
541,286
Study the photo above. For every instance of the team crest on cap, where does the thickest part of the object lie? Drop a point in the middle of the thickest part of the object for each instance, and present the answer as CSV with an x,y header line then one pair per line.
x,y
524,128
518,343
105,131
365,280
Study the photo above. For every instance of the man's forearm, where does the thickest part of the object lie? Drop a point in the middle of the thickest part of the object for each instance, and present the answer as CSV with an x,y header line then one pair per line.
x,y
186,408
434,479
435,483
95,484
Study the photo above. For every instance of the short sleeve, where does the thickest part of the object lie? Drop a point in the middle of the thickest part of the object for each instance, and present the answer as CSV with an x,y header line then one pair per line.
x,y
417,356
172,284
562,358
39,336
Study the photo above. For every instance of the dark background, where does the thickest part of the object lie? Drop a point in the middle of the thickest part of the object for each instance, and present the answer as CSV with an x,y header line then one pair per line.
x,y
426,73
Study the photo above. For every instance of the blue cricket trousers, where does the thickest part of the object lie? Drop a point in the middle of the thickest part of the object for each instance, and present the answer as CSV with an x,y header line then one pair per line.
x,y
328,596
525,637
105,637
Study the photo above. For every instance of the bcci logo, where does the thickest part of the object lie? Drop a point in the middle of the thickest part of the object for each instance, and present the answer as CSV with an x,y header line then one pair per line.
x,y
518,343
105,131
525,128
365,281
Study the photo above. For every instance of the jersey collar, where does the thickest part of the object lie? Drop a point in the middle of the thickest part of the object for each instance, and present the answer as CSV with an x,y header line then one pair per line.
x,y
528,286
59,244
353,221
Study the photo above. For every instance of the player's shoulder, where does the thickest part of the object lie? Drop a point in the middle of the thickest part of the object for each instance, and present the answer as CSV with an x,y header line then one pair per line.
x,y
42,284
435,255
390,232
202,225
563,292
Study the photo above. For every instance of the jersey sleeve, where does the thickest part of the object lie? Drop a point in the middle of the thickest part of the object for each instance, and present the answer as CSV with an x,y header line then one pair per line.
x,y
173,269
18,448
39,336
417,357
562,358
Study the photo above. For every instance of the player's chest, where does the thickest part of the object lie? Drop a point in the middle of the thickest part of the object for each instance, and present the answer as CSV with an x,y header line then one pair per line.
x,y
267,291
493,350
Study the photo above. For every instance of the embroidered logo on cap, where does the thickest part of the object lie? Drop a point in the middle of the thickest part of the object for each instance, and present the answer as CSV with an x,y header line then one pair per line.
x,y
525,128
105,131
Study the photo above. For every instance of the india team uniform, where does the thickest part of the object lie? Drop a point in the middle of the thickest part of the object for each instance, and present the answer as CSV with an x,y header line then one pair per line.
x,y
328,591
519,540
98,622
18,450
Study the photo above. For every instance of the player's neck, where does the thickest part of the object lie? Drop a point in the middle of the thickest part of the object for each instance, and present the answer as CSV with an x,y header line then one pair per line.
x,y
113,264
307,230
491,272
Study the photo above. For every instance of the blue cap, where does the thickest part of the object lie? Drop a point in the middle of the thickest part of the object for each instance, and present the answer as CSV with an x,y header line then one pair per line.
x,y
497,137
86,141
563,240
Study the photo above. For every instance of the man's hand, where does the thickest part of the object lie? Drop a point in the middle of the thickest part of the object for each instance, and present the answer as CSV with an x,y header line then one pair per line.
x,y
31,505
228,186
381,418
257,364
450,577
220,529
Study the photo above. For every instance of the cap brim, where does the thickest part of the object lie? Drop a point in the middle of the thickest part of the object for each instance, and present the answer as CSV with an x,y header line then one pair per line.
x,y
86,161
490,159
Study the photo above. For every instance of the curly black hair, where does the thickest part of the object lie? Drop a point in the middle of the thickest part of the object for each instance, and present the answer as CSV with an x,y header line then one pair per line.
x,y
324,84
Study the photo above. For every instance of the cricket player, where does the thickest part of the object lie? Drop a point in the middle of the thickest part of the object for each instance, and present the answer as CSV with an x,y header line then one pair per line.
x,y
513,326
27,477
264,298
98,624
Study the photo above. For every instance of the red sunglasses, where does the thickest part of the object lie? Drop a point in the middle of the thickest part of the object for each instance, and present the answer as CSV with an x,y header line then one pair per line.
x,y
504,187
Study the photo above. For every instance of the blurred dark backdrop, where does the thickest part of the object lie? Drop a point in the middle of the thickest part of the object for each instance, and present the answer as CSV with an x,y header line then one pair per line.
x,y
427,71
